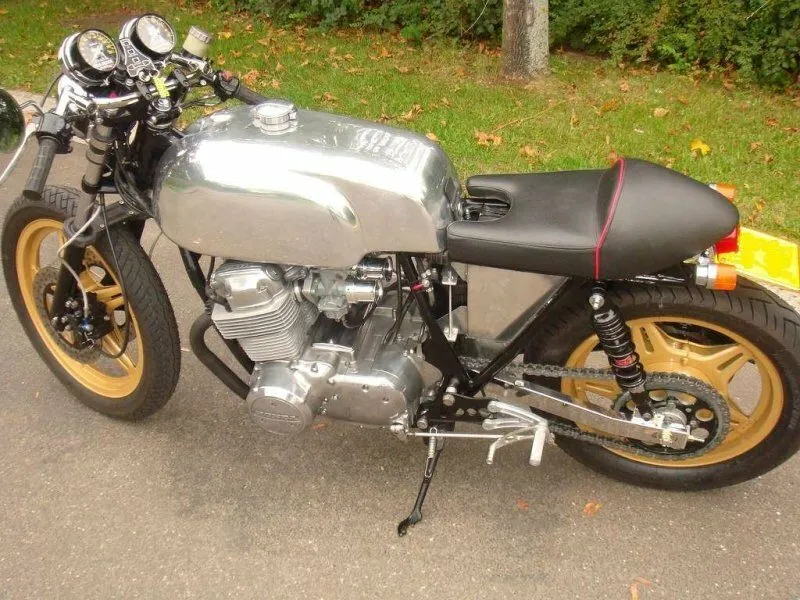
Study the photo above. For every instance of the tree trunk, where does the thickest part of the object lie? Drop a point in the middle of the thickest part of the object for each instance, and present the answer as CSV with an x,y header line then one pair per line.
x,y
526,38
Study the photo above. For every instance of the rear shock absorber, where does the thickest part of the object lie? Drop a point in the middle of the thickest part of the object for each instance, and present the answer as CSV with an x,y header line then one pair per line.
x,y
616,341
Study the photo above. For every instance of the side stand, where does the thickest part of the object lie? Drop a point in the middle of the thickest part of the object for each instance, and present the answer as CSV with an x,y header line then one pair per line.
x,y
435,447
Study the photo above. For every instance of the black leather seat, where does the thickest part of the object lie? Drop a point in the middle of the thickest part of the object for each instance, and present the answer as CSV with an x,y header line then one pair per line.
x,y
632,219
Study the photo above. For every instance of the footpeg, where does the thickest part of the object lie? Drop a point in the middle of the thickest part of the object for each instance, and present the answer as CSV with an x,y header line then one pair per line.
x,y
528,427
435,447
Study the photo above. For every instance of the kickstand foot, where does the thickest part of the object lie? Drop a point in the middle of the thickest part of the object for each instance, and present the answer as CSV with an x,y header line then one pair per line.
x,y
435,447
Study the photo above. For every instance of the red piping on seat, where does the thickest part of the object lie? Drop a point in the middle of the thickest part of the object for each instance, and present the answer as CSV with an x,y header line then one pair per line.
x,y
611,210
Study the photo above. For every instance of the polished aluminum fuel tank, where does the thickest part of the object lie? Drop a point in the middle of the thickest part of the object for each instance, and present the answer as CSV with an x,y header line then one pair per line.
x,y
270,183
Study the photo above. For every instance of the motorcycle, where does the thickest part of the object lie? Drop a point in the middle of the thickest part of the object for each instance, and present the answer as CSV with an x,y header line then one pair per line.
x,y
351,275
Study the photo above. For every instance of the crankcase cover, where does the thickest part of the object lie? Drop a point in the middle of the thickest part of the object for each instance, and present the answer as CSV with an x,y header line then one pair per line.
x,y
321,190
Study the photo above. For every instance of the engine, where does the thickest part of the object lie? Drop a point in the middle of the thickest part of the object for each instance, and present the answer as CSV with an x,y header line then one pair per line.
x,y
318,338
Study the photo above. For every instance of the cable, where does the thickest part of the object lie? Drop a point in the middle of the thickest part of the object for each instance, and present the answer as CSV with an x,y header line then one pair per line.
x,y
50,89
60,254
153,245
127,336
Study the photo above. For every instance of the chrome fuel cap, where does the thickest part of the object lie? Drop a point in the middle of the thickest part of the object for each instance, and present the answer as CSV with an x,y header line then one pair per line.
x,y
275,116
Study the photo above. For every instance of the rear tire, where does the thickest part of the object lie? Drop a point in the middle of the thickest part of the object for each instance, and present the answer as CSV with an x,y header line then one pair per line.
x,y
751,313
139,385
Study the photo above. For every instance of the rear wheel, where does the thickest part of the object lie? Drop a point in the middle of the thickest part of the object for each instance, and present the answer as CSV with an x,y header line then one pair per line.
x,y
131,385
745,343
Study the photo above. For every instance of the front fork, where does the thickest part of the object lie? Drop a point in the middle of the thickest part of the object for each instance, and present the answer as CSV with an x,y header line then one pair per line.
x,y
100,141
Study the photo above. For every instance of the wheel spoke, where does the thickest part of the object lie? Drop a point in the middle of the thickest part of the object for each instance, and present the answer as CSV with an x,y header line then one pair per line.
x,y
607,389
653,344
726,361
112,345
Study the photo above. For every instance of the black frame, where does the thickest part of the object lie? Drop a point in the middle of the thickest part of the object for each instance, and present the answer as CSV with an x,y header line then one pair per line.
x,y
442,354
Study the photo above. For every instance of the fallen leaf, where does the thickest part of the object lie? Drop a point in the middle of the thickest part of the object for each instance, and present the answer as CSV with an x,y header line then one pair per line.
x,y
432,136
445,101
522,504
591,508
411,114
264,41
328,97
304,63
364,101
768,158
279,67
608,106
612,157
488,139
683,100
574,121
385,53
624,86
235,53
635,586
276,85
248,27
250,77
771,122
3,11
220,60
529,151
660,112
699,148
403,70
755,146
225,35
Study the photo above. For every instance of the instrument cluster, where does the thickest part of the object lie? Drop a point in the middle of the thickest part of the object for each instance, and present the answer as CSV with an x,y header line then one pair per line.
x,y
93,58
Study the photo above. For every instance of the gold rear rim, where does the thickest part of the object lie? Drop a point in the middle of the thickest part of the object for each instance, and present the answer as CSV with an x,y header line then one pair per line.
x,y
111,378
743,374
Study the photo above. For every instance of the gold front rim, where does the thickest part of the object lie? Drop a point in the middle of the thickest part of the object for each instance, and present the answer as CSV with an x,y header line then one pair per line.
x,y
720,362
112,378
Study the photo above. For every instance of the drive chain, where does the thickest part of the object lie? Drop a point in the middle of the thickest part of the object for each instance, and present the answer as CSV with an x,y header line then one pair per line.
x,y
695,387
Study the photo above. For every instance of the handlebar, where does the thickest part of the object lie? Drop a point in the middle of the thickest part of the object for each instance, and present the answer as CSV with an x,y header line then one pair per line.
x,y
48,147
248,96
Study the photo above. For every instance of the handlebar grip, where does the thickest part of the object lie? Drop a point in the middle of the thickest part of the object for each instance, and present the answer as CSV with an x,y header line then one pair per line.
x,y
41,168
248,96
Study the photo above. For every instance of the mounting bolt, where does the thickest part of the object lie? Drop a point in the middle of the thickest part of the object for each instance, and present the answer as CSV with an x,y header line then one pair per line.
x,y
448,399
596,301
422,422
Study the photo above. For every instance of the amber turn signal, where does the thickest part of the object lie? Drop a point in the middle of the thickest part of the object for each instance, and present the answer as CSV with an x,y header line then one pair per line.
x,y
716,276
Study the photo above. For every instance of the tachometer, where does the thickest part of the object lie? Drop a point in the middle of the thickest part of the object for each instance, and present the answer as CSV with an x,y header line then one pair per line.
x,y
151,35
89,57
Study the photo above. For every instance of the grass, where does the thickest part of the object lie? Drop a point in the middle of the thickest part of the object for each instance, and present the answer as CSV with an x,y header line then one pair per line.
x,y
582,116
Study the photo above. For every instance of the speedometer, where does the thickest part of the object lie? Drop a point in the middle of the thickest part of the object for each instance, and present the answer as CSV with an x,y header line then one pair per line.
x,y
89,57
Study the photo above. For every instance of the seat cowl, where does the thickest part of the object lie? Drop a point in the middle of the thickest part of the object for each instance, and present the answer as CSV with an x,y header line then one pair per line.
x,y
632,219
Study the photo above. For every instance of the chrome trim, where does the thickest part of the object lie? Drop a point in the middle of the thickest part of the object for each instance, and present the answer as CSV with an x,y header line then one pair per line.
x,y
325,193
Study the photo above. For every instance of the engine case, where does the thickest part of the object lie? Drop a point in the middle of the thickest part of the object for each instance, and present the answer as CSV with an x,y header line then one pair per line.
x,y
325,192
367,383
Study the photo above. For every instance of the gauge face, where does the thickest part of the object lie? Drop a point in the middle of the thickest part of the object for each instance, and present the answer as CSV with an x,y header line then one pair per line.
x,y
97,50
155,34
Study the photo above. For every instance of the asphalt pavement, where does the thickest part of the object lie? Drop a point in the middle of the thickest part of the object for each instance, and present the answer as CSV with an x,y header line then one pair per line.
x,y
199,502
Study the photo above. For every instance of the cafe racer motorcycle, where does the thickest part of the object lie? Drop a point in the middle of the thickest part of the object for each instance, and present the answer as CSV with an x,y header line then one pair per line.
x,y
352,276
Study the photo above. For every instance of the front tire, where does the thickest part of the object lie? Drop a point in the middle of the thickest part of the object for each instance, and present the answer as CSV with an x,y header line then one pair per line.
x,y
141,380
717,337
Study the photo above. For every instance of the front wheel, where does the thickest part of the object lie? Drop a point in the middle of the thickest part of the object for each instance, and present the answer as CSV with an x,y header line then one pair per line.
x,y
745,343
131,384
